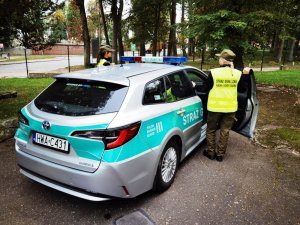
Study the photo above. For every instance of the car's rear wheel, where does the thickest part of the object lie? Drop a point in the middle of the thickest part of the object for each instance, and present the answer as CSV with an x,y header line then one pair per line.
x,y
167,167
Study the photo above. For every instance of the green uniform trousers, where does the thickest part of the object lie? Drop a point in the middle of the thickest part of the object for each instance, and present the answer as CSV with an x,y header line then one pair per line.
x,y
214,120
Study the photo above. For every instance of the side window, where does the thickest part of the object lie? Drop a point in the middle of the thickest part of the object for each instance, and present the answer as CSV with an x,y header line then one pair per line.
x,y
198,78
154,92
178,87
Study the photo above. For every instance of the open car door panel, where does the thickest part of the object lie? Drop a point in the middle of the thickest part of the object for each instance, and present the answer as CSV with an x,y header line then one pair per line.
x,y
247,109
247,102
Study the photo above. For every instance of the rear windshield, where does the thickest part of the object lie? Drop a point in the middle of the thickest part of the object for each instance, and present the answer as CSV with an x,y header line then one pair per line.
x,y
81,97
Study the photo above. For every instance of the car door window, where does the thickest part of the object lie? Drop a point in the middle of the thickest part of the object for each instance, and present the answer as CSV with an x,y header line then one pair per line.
x,y
154,92
199,78
178,87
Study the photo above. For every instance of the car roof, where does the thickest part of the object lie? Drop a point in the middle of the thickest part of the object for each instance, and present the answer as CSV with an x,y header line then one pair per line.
x,y
118,74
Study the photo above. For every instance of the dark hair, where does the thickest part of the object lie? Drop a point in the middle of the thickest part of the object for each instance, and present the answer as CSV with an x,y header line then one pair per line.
x,y
101,54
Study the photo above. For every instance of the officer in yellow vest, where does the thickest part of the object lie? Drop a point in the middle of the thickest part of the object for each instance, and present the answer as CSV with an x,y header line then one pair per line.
x,y
222,104
104,55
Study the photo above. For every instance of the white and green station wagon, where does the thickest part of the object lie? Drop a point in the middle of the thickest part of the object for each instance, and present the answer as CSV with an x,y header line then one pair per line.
x,y
118,131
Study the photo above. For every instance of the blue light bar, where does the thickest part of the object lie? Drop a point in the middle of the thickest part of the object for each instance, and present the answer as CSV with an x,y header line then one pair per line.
x,y
127,59
154,59
175,59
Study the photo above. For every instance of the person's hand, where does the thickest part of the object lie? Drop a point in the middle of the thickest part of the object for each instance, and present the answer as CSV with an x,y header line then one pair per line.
x,y
194,84
246,70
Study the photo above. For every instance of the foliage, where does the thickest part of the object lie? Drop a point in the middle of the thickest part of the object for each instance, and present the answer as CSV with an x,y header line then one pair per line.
x,y
73,22
25,21
93,18
241,25
57,26
147,16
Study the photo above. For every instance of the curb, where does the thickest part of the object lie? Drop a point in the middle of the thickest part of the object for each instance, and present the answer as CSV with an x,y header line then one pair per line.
x,y
30,61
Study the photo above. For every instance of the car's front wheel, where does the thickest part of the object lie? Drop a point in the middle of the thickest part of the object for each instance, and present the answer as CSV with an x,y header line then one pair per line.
x,y
167,167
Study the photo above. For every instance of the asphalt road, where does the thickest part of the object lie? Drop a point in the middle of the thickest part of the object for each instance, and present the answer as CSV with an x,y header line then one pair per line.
x,y
251,186
18,69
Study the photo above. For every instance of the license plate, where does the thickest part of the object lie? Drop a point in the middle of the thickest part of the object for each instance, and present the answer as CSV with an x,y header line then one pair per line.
x,y
51,142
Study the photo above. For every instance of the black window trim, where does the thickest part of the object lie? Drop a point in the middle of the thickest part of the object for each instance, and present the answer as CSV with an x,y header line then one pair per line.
x,y
183,71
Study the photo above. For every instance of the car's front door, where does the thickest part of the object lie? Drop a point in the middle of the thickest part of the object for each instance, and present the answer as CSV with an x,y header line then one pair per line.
x,y
188,108
247,101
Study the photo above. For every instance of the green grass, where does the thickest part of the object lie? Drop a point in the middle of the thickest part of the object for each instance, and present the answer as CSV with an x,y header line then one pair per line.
x,y
31,57
291,135
288,78
27,89
288,135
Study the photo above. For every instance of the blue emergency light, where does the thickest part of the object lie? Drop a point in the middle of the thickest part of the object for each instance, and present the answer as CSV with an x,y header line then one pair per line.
x,y
154,59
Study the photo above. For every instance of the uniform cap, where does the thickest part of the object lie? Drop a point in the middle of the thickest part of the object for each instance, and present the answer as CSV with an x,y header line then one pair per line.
x,y
106,48
227,54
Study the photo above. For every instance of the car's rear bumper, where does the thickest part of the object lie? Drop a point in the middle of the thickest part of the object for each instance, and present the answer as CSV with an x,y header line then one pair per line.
x,y
125,179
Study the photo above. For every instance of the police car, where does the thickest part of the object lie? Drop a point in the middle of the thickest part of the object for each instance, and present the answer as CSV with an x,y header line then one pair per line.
x,y
118,131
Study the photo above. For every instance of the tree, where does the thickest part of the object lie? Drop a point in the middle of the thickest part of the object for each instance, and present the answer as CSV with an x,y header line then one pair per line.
x,y
148,20
85,33
244,25
116,13
138,23
104,22
73,22
57,26
94,20
172,45
27,22
182,37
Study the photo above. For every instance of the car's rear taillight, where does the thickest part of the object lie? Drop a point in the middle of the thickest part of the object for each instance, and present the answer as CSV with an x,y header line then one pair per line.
x,y
112,138
119,137
22,118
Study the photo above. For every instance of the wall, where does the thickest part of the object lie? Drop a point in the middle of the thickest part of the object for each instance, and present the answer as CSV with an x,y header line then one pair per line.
x,y
60,49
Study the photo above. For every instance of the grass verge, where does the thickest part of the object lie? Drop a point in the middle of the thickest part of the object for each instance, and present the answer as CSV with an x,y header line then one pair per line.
x,y
32,57
27,89
291,136
288,78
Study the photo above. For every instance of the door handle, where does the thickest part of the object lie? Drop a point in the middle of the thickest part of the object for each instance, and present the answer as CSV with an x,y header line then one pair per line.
x,y
180,112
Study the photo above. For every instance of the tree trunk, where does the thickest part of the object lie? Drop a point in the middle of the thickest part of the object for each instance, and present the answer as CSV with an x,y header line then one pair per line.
x,y
114,14
273,43
117,37
120,41
142,49
280,51
182,36
191,47
155,37
104,22
291,50
86,37
191,40
276,45
172,48
238,61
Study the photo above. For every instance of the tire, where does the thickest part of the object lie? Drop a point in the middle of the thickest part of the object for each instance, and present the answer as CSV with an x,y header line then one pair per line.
x,y
167,167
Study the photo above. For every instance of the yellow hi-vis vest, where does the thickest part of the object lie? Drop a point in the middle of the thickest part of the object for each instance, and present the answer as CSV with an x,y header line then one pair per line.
x,y
101,62
223,95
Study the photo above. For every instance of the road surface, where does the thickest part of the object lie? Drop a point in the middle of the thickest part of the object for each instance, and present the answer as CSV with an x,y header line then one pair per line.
x,y
248,187
18,69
